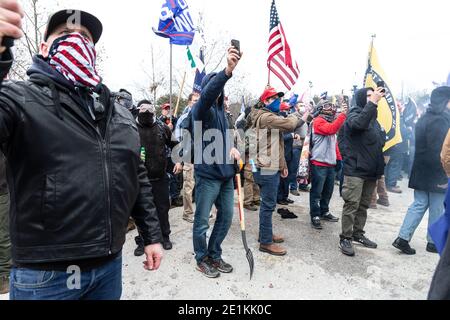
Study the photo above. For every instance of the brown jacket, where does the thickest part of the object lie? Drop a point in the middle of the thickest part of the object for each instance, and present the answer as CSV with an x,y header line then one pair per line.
x,y
263,119
445,155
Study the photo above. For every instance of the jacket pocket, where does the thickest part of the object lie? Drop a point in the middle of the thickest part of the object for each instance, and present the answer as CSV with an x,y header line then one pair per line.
x,y
48,201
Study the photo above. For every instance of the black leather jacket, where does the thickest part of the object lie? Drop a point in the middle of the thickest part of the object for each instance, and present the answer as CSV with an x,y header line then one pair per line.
x,y
73,185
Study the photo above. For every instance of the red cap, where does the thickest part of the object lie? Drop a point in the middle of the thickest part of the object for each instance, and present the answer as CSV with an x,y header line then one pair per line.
x,y
269,93
285,107
165,106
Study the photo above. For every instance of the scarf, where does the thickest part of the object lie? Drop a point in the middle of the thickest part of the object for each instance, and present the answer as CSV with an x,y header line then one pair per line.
x,y
74,57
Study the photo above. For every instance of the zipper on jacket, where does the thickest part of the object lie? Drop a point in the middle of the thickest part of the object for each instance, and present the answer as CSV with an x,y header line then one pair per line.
x,y
103,143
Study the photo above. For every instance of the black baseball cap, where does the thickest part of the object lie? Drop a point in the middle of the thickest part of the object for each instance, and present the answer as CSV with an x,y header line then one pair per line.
x,y
70,16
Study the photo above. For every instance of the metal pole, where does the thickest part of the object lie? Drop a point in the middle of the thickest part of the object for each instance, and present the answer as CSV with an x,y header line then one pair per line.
x,y
171,67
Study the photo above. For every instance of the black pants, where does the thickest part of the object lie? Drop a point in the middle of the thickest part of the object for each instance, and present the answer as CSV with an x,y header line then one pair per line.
x,y
161,198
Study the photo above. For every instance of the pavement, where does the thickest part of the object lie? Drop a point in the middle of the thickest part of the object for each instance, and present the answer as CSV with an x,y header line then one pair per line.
x,y
314,268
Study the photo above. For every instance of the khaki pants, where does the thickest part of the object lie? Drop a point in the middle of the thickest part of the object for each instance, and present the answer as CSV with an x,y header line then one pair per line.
x,y
188,189
5,243
357,194
380,191
251,189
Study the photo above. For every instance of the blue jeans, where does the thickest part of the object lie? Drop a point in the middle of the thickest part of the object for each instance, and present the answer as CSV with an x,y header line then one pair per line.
x,y
268,183
103,283
322,187
393,170
296,154
423,201
207,193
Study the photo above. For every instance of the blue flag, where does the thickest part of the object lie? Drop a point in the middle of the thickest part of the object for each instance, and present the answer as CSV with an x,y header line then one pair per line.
x,y
176,23
199,74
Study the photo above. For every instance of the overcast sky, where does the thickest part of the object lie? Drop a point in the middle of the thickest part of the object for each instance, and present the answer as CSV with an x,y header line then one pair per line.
x,y
329,39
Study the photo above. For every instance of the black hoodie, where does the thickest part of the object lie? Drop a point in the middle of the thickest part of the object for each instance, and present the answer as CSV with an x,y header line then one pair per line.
x,y
431,129
363,140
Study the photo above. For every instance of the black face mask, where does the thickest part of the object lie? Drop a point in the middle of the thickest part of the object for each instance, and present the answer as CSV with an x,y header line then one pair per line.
x,y
146,118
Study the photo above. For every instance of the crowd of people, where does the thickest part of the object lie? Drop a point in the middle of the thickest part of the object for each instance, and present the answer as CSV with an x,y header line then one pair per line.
x,y
85,166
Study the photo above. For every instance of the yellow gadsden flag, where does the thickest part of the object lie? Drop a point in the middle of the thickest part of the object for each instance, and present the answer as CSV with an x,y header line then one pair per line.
x,y
388,113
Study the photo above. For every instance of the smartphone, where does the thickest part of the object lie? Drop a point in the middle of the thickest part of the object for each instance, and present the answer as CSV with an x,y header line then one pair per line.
x,y
237,45
347,101
381,84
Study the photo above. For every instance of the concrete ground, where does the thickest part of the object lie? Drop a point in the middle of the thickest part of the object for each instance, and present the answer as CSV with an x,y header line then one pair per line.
x,y
313,269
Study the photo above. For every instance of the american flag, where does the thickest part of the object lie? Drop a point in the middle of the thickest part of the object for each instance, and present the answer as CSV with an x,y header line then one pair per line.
x,y
280,59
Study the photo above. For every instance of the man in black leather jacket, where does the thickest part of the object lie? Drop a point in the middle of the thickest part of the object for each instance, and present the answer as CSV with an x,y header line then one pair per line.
x,y
75,173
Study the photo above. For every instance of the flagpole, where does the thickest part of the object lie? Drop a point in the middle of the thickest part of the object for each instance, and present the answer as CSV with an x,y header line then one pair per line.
x,y
171,68
268,77
179,95
371,48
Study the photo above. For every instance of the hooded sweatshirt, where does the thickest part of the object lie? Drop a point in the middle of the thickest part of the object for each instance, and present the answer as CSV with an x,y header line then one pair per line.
x,y
209,110
363,140
431,129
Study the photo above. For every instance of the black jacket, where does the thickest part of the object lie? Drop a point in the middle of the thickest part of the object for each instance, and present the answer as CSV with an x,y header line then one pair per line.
x,y
431,130
73,181
363,140
155,139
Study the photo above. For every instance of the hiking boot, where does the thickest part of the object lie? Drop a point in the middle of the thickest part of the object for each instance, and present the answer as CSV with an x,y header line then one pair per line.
x,y
4,285
221,266
383,202
178,202
304,189
316,223
404,246
346,247
167,245
273,249
131,226
276,239
395,190
365,242
188,218
330,218
295,193
431,248
251,208
207,269
140,250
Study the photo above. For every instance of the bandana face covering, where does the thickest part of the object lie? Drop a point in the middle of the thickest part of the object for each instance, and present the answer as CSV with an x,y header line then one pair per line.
x,y
74,57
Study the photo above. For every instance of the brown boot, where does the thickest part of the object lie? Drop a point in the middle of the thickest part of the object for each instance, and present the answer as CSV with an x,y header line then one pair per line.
x,y
383,202
4,285
273,249
278,239
131,226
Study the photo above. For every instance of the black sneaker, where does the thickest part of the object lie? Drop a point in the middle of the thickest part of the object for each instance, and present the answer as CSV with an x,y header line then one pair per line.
x,y
282,203
207,269
295,193
404,246
316,223
221,266
139,251
330,218
346,247
365,242
167,245
431,248
289,201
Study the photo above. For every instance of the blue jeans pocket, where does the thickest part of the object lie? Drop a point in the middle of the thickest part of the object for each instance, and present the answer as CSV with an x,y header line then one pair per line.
x,y
31,279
